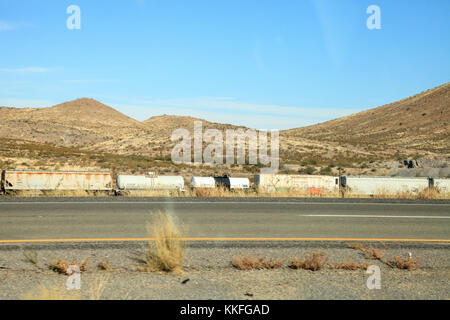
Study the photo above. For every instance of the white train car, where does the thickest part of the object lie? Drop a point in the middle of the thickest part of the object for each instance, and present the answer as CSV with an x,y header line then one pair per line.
x,y
135,182
239,183
310,184
15,180
384,185
203,182
443,185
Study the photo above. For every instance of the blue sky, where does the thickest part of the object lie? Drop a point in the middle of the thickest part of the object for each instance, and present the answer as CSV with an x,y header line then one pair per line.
x,y
263,64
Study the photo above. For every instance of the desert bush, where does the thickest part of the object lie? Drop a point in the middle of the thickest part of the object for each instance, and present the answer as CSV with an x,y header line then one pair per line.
x,y
31,256
325,171
61,266
357,246
250,263
315,261
166,249
105,266
373,253
308,170
408,264
349,265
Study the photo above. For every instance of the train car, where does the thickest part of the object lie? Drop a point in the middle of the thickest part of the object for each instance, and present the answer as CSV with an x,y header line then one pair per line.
x,y
443,185
23,180
239,183
372,186
310,184
203,182
232,183
149,182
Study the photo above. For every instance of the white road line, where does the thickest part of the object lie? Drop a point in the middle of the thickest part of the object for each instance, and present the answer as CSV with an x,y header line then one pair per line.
x,y
370,216
225,202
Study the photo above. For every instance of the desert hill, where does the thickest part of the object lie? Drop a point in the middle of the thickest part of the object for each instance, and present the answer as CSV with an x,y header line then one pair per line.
x,y
418,124
82,123
84,112
415,127
166,124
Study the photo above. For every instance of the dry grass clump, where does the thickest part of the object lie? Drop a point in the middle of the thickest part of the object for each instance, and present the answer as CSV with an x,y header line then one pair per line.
x,y
357,246
97,286
104,266
251,263
349,265
220,192
51,292
429,193
166,250
400,263
370,253
94,291
376,254
31,256
61,266
315,261
373,253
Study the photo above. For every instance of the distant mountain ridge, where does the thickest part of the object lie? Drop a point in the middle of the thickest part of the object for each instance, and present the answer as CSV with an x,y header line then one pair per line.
x,y
420,122
418,125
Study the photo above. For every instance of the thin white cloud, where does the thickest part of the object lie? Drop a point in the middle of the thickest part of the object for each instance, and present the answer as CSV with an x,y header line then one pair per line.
x,y
231,111
26,70
230,105
5,26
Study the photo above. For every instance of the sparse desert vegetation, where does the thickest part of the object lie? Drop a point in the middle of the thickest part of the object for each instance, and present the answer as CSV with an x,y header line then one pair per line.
x,y
376,254
349,265
86,134
51,292
32,256
255,270
166,251
314,261
62,266
104,266
258,263
406,264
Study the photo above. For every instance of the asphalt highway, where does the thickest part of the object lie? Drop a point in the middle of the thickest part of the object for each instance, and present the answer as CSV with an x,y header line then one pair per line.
x,y
39,220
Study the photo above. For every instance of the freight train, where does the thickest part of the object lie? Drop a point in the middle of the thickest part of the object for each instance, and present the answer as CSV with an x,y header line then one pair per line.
x,y
102,181
27,180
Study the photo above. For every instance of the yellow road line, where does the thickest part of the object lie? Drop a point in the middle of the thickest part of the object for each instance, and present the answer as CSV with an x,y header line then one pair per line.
x,y
222,239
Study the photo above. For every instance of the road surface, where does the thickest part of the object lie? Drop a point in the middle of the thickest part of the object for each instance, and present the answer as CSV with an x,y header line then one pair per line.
x,y
23,220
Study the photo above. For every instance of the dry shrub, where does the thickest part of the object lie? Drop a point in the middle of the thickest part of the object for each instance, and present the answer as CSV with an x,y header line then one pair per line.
x,y
373,253
409,264
429,193
370,253
426,193
251,263
212,192
32,256
167,249
349,265
315,261
59,291
105,266
61,266
357,246
53,292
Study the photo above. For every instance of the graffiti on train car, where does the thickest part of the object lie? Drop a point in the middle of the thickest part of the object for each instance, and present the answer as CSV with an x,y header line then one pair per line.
x,y
56,180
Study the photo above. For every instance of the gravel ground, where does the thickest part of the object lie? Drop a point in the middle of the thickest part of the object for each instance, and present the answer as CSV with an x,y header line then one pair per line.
x,y
211,276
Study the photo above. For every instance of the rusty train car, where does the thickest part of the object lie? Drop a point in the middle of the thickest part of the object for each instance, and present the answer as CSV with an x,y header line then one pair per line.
x,y
26,180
